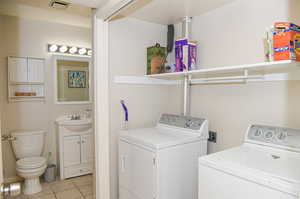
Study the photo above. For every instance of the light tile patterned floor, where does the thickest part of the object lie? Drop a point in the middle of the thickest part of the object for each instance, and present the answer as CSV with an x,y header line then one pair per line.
x,y
73,188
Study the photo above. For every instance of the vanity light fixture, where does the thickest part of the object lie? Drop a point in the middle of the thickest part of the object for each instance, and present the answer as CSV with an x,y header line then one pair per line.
x,y
73,50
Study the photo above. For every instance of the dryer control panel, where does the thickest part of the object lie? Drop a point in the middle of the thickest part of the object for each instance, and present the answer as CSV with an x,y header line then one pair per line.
x,y
275,135
186,122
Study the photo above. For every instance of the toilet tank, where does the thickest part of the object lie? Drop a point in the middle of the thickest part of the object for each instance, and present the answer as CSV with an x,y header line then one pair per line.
x,y
28,143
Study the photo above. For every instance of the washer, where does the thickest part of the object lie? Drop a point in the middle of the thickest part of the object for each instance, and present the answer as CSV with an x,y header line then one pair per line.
x,y
266,166
162,162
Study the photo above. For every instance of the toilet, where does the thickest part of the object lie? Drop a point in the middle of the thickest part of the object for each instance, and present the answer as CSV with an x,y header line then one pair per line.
x,y
28,147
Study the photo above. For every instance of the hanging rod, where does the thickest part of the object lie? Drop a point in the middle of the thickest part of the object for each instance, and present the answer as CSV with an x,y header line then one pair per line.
x,y
231,79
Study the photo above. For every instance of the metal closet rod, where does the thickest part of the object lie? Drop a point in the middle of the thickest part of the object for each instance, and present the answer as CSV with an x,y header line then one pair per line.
x,y
188,81
231,79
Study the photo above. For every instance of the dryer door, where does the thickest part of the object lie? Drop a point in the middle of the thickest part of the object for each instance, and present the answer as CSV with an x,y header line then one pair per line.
x,y
137,172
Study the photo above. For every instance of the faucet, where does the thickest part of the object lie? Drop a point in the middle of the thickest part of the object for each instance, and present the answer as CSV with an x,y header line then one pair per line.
x,y
75,117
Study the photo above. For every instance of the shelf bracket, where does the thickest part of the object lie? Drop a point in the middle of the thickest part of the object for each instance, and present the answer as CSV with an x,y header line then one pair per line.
x,y
246,75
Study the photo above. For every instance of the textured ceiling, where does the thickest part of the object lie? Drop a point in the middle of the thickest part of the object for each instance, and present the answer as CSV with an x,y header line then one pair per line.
x,y
72,9
171,11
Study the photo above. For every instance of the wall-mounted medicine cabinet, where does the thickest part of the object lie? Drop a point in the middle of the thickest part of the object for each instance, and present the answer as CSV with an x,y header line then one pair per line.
x,y
26,79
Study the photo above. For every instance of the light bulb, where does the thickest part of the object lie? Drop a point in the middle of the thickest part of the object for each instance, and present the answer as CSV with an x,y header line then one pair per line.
x,y
53,48
89,52
82,51
73,50
63,49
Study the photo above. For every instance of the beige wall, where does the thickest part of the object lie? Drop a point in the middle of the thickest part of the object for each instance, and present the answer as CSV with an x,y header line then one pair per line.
x,y
233,35
128,41
23,37
2,62
1,96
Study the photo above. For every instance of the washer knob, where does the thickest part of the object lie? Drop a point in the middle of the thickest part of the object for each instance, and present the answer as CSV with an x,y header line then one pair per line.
x,y
258,133
269,134
282,136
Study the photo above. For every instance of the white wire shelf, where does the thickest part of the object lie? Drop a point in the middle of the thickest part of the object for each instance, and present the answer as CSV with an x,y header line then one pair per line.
x,y
266,71
259,68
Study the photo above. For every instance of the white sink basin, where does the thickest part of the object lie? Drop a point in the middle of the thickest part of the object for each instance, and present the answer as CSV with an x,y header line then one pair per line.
x,y
74,125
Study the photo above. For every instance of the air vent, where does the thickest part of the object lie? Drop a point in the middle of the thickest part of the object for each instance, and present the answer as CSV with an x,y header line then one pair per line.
x,y
59,4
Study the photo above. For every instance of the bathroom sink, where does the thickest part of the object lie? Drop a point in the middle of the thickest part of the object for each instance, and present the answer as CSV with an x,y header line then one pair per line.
x,y
74,125
74,122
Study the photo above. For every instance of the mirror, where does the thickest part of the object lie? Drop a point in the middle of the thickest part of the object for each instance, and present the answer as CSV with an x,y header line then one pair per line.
x,y
72,82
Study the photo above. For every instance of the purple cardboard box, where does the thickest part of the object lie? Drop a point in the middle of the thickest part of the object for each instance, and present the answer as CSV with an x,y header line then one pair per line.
x,y
181,54
192,55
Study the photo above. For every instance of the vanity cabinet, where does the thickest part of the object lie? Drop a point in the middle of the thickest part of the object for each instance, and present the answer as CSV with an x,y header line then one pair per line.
x,y
72,148
75,150
87,148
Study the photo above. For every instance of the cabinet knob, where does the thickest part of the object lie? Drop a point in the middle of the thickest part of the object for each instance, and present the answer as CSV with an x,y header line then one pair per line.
x,y
83,141
78,142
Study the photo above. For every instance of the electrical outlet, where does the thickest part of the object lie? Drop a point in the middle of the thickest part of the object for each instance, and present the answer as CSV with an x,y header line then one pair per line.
x,y
212,137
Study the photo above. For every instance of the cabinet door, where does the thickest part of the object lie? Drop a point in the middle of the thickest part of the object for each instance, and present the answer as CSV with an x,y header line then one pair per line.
x,y
72,150
17,69
87,148
137,171
35,70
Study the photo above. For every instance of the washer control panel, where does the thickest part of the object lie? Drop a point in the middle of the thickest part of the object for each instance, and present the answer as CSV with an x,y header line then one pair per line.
x,y
181,121
275,135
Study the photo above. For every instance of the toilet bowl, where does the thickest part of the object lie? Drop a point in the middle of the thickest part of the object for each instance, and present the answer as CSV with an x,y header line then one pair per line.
x,y
30,165
31,169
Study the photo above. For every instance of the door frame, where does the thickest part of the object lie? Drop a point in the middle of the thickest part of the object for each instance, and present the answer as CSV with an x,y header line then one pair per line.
x,y
1,160
101,108
101,80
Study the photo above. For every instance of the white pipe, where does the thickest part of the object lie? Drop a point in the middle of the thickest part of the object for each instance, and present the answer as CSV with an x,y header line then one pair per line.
x,y
187,78
186,27
186,95
220,82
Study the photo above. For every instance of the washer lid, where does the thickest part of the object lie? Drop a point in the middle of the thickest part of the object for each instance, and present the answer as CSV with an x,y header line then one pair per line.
x,y
273,168
31,162
158,137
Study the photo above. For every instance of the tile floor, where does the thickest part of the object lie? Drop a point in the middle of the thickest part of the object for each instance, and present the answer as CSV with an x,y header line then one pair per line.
x,y
73,188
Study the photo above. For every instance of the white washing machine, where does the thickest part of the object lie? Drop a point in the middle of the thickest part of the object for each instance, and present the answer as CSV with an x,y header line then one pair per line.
x,y
162,162
266,166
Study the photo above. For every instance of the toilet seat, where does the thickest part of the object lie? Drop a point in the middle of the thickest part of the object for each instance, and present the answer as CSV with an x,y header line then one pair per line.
x,y
31,163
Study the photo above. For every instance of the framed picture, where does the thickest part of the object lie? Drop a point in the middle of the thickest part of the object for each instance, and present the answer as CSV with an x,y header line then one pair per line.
x,y
76,79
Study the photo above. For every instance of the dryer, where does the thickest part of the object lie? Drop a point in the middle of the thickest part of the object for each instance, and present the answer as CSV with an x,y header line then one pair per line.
x,y
266,166
162,162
